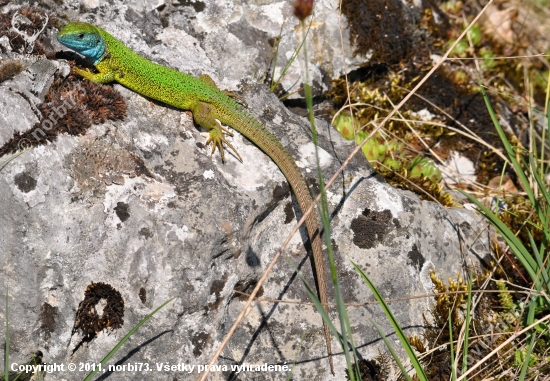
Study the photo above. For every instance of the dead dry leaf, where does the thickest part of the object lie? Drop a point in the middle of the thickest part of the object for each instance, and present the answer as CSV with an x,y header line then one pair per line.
x,y
498,23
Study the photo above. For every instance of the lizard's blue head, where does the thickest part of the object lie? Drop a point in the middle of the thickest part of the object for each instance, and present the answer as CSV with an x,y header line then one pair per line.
x,y
83,38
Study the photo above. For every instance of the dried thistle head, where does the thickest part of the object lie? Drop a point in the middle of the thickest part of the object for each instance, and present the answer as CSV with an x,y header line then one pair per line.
x,y
303,9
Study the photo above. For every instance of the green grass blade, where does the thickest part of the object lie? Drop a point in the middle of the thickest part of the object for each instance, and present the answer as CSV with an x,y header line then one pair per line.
x,y
542,185
7,350
345,325
515,244
125,338
323,313
467,328
542,270
509,149
279,37
9,159
543,214
342,339
525,364
392,351
530,320
532,307
291,60
547,120
350,336
289,376
453,369
343,316
404,342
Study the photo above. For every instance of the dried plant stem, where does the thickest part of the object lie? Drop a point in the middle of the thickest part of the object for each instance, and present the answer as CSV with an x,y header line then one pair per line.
x,y
512,338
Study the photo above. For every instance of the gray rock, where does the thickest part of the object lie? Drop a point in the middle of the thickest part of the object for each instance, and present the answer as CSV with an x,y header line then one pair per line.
x,y
84,210
20,96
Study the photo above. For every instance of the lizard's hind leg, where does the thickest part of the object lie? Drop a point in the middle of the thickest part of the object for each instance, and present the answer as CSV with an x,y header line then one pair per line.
x,y
202,114
207,79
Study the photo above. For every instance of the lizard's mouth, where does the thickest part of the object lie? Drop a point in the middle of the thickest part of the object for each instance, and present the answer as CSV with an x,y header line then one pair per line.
x,y
65,39
79,37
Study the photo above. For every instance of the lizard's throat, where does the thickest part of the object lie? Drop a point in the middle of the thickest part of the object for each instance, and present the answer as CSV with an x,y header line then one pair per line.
x,y
94,54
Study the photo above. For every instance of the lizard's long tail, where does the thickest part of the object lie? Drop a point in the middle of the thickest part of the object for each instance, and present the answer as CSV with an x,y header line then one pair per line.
x,y
259,135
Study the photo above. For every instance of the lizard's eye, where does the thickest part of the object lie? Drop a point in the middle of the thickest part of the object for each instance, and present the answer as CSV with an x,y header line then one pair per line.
x,y
80,36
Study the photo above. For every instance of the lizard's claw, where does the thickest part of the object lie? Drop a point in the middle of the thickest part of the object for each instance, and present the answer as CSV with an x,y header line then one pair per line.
x,y
202,113
86,73
228,132
235,96
218,140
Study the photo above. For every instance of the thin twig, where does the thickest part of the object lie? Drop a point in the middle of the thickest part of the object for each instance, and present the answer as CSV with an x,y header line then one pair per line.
x,y
497,58
269,300
512,338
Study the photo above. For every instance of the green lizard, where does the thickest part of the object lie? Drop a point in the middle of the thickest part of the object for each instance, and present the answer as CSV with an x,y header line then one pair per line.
x,y
116,62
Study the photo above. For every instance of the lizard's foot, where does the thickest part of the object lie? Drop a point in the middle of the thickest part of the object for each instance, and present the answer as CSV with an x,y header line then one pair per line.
x,y
218,140
202,113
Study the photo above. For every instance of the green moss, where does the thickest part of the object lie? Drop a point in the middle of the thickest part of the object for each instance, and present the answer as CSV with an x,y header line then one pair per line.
x,y
398,165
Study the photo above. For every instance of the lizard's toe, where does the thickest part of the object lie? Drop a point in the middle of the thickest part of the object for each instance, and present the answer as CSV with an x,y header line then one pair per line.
x,y
218,140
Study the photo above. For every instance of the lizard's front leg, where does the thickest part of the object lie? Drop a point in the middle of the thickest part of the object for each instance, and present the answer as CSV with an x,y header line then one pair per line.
x,y
97,78
202,114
